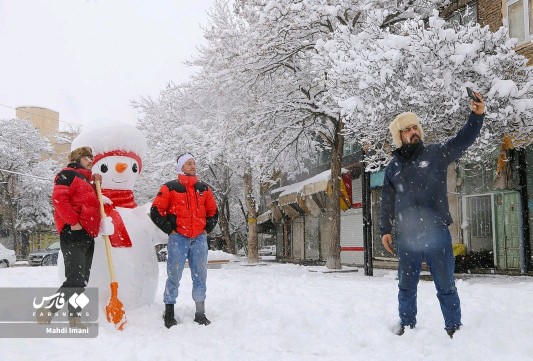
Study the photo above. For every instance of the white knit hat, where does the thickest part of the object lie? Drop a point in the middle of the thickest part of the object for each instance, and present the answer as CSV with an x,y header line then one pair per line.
x,y
400,122
181,161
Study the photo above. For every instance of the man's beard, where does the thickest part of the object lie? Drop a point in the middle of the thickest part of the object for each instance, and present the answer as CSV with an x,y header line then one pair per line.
x,y
415,139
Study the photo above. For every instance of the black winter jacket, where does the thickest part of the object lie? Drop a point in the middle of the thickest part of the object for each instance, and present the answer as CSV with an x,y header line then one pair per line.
x,y
414,191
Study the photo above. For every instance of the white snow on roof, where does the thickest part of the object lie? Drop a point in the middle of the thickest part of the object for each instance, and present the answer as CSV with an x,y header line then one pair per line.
x,y
298,187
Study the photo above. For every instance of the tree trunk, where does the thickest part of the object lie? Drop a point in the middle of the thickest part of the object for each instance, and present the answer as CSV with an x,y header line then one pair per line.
x,y
333,260
24,244
224,209
251,213
223,217
11,211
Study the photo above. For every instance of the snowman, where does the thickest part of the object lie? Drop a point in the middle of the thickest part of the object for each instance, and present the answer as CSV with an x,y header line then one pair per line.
x,y
118,149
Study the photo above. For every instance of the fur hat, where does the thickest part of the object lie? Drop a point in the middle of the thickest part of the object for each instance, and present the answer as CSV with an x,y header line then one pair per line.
x,y
400,122
78,153
181,161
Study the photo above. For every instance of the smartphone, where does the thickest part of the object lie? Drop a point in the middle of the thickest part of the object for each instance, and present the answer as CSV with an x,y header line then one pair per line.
x,y
472,95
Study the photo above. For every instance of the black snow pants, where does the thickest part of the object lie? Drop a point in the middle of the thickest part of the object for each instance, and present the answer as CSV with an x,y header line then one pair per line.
x,y
78,249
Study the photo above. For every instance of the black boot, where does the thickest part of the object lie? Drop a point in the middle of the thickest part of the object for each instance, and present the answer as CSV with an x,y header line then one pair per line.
x,y
168,316
451,331
199,316
401,330
43,316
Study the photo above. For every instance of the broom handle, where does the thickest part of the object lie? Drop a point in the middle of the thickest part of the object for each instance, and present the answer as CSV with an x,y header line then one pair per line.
x,y
106,237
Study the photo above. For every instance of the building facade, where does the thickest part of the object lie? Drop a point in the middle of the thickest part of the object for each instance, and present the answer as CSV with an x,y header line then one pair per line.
x,y
294,215
46,121
489,201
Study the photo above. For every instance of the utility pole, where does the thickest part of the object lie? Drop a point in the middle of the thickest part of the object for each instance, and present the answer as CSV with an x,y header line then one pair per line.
x,y
367,224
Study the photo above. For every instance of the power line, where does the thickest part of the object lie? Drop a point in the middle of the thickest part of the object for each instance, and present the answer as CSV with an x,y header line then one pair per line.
x,y
25,175
42,116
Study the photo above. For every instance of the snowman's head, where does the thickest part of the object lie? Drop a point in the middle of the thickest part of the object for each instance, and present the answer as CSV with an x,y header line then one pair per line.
x,y
118,150
118,171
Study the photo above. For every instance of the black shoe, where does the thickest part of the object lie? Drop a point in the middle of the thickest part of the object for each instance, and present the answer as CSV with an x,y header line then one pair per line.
x,y
201,319
169,321
168,316
451,331
401,330
43,316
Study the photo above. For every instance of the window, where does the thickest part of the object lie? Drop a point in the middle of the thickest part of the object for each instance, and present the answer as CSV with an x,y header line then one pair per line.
x,y
464,15
520,19
324,156
350,148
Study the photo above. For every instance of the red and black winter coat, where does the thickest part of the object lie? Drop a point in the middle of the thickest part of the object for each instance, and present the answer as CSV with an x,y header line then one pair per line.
x,y
75,200
185,206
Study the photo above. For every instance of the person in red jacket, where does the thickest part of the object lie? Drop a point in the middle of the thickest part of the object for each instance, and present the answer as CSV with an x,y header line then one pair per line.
x,y
186,210
77,219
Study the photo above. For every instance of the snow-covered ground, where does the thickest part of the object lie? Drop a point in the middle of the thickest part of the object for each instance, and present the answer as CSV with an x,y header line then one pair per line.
x,y
286,312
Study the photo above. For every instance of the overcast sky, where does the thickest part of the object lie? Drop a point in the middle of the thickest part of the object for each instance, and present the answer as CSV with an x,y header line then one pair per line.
x,y
86,59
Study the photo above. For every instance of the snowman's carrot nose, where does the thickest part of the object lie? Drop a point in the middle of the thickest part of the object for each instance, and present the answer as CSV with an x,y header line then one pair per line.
x,y
121,167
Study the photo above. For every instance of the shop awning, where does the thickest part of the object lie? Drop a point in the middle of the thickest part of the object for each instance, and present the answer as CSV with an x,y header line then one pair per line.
x,y
264,222
293,200
291,193
315,187
292,205
264,217
306,196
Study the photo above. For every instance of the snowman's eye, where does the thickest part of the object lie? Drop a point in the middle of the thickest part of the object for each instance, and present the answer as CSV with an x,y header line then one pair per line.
x,y
103,168
134,167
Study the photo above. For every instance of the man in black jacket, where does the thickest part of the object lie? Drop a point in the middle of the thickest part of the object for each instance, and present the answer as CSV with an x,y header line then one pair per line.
x,y
414,197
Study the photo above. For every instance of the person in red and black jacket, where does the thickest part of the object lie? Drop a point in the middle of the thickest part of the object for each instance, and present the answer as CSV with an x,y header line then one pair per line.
x,y
186,210
78,221
76,206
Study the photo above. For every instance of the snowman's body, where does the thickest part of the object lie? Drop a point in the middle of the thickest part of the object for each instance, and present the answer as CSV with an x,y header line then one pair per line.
x,y
135,267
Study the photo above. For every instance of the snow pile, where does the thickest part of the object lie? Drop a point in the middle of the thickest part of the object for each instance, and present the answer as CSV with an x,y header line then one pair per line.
x,y
221,256
284,312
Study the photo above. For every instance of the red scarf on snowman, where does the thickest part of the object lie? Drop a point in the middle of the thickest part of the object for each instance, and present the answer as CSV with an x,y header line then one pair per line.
x,y
120,198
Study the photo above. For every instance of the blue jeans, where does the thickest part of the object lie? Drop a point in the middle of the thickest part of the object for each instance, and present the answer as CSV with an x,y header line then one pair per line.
x,y
181,248
435,247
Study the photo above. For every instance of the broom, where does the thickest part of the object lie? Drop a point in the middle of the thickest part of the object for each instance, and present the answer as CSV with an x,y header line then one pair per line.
x,y
113,310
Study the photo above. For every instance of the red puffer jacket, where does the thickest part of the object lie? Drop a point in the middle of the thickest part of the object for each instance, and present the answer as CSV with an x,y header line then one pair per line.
x,y
75,200
185,206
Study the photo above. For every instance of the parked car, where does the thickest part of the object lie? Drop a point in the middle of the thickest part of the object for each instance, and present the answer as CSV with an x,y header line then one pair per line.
x,y
267,251
45,257
162,254
7,257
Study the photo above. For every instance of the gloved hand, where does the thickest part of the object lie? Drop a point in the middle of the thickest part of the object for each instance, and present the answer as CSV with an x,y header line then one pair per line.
x,y
107,227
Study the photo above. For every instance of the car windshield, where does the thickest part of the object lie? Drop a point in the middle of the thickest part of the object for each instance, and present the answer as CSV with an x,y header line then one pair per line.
x,y
4,249
54,246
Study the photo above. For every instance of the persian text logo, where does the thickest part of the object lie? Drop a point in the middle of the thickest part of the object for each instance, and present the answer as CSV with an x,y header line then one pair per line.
x,y
57,300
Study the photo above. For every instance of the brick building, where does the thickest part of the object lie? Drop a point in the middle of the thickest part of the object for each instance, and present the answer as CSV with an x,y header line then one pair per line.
x,y
46,121
516,13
